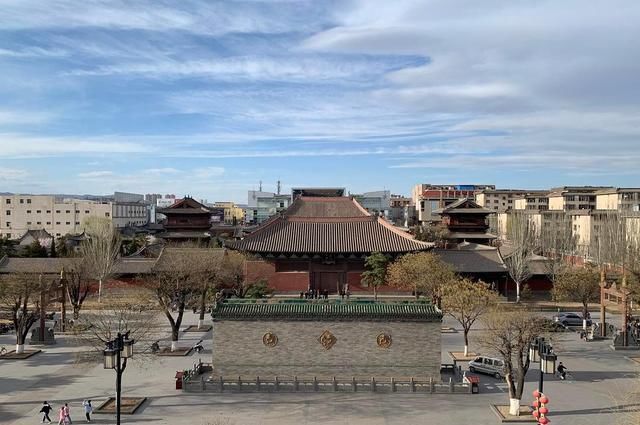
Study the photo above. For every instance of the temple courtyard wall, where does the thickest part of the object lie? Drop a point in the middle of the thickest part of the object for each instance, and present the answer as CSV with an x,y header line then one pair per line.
x,y
351,349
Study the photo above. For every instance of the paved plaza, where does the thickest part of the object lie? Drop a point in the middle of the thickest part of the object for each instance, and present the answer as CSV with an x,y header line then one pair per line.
x,y
602,391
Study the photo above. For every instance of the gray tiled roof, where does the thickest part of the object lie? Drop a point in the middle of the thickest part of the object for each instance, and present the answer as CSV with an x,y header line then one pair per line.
x,y
302,310
473,260
368,236
55,265
327,225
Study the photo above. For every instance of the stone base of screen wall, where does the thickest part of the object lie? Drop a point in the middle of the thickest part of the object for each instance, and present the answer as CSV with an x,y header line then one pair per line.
x,y
326,340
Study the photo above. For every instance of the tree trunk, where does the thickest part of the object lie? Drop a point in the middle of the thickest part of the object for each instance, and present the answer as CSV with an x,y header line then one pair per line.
x,y
19,348
99,290
375,293
514,407
518,287
202,307
76,312
514,401
466,342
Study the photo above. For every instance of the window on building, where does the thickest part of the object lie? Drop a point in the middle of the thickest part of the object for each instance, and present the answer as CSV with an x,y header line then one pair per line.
x,y
57,211
48,211
58,234
68,211
8,234
8,212
28,223
28,201
22,201
8,201
38,211
57,223
68,223
107,214
86,211
38,223
77,223
48,223
77,211
28,211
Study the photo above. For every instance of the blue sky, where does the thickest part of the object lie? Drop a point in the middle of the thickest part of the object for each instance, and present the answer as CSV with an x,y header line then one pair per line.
x,y
210,97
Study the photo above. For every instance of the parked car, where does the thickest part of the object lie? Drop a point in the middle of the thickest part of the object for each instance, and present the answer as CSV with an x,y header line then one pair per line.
x,y
488,365
550,325
570,319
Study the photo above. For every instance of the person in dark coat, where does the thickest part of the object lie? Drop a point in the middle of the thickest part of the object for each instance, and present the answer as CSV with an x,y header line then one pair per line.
x,y
45,410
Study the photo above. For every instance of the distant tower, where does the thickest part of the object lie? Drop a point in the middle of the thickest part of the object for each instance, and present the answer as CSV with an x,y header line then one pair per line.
x,y
278,187
260,187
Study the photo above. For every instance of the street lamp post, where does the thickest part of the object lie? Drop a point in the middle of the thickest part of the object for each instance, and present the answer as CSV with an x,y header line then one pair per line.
x,y
542,352
116,353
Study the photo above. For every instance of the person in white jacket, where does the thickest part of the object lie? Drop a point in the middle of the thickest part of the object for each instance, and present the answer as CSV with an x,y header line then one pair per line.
x,y
88,409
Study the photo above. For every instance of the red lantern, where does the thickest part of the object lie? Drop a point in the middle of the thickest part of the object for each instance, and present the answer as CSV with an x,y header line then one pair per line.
x,y
543,421
544,399
536,393
536,403
543,410
535,414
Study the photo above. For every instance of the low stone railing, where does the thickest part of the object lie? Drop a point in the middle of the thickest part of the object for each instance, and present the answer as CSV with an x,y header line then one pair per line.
x,y
193,382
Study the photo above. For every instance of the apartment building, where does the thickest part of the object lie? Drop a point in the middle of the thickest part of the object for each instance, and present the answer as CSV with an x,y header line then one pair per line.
x,y
20,213
262,205
232,213
500,199
570,198
427,198
619,199
532,201
129,210
376,203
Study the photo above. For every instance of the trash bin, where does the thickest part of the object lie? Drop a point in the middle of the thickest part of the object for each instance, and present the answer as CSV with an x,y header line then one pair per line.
x,y
179,375
474,382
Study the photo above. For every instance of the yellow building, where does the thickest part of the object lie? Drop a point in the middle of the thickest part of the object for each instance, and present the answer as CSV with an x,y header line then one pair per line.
x,y
233,214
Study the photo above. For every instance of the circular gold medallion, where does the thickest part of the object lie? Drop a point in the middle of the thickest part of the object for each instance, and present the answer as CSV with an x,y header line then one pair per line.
x,y
270,339
384,340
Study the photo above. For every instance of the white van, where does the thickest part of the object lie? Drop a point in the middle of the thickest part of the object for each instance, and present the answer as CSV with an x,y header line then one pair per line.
x,y
488,365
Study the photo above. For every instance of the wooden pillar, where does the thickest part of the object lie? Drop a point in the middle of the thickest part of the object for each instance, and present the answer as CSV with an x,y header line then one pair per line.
x,y
625,312
63,301
603,309
42,312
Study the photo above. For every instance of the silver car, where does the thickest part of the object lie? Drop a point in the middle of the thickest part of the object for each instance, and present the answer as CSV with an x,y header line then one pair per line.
x,y
488,365
570,319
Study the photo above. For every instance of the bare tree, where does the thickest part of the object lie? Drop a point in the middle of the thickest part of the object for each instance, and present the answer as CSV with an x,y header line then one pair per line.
x,y
133,312
233,274
77,285
522,236
25,295
422,272
466,301
578,284
557,242
509,334
100,250
180,277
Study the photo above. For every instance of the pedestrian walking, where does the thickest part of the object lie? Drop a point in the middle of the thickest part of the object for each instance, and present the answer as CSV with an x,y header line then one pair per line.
x,y
62,416
45,409
67,414
88,409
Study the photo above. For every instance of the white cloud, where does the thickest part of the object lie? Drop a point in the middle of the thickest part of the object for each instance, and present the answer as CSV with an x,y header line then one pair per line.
x,y
208,172
95,174
13,174
25,146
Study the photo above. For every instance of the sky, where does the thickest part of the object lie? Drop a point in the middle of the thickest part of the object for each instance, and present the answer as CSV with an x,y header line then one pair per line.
x,y
208,98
